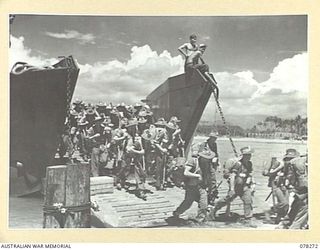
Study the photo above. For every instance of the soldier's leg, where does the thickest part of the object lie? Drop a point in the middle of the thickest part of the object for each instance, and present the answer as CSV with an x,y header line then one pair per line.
x,y
147,156
213,82
122,174
203,205
247,202
159,171
212,186
204,165
222,203
95,161
247,205
139,175
190,196
301,219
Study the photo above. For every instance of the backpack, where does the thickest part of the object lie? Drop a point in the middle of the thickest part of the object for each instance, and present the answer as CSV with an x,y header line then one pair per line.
x,y
228,167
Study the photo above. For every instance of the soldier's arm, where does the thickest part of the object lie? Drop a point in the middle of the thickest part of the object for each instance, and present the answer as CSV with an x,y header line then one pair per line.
x,y
130,148
182,49
118,137
140,152
94,136
177,131
187,172
277,169
231,180
163,150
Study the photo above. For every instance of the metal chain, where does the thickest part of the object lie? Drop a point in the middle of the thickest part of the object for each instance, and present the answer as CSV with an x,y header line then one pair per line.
x,y
223,118
69,96
68,105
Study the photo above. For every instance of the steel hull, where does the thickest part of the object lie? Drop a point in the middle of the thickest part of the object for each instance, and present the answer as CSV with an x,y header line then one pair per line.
x,y
38,101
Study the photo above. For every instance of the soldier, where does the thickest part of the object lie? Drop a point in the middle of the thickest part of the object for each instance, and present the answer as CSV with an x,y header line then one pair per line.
x,y
176,146
78,105
161,151
117,148
187,48
101,109
66,145
208,161
194,189
83,147
97,138
281,201
90,115
297,217
195,62
299,209
148,138
133,158
239,174
299,166
288,167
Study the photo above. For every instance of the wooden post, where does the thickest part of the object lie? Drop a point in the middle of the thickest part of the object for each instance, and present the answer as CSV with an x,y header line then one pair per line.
x,y
67,196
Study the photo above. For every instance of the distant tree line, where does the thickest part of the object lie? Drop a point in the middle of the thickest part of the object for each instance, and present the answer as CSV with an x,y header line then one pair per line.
x,y
271,124
206,129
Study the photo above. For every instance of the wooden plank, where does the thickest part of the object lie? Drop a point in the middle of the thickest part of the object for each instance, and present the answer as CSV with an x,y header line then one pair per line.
x,y
101,191
152,217
101,180
133,197
153,210
55,193
145,207
128,204
78,194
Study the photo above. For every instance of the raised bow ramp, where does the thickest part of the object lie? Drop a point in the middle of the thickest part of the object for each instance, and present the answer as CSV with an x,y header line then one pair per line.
x,y
39,98
184,98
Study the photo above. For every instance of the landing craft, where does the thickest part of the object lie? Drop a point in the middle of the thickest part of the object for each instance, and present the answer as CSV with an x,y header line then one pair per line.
x,y
39,102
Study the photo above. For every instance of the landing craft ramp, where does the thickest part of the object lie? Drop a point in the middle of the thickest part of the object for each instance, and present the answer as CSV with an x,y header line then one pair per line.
x,y
184,98
39,100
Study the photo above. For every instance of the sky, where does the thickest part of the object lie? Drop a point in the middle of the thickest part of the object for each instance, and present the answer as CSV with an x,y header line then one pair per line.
x,y
259,62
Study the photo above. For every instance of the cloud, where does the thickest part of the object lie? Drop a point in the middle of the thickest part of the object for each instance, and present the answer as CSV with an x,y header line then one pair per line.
x,y
73,34
289,75
284,94
19,53
128,81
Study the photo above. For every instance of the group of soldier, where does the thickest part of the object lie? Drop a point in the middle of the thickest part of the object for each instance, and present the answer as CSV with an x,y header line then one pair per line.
x,y
289,176
123,139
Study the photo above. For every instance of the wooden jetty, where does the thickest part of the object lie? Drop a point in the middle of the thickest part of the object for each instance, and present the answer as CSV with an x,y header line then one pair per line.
x,y
124,209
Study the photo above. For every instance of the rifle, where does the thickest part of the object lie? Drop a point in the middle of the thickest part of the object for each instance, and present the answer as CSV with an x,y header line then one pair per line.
x,y
164,168
269,195
219,184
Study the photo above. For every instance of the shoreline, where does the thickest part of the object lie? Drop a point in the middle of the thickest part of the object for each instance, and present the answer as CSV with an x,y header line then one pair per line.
x,y
258,140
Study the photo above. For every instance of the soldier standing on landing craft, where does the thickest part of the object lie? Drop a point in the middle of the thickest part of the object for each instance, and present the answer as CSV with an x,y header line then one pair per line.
x,y
195,62
187,48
